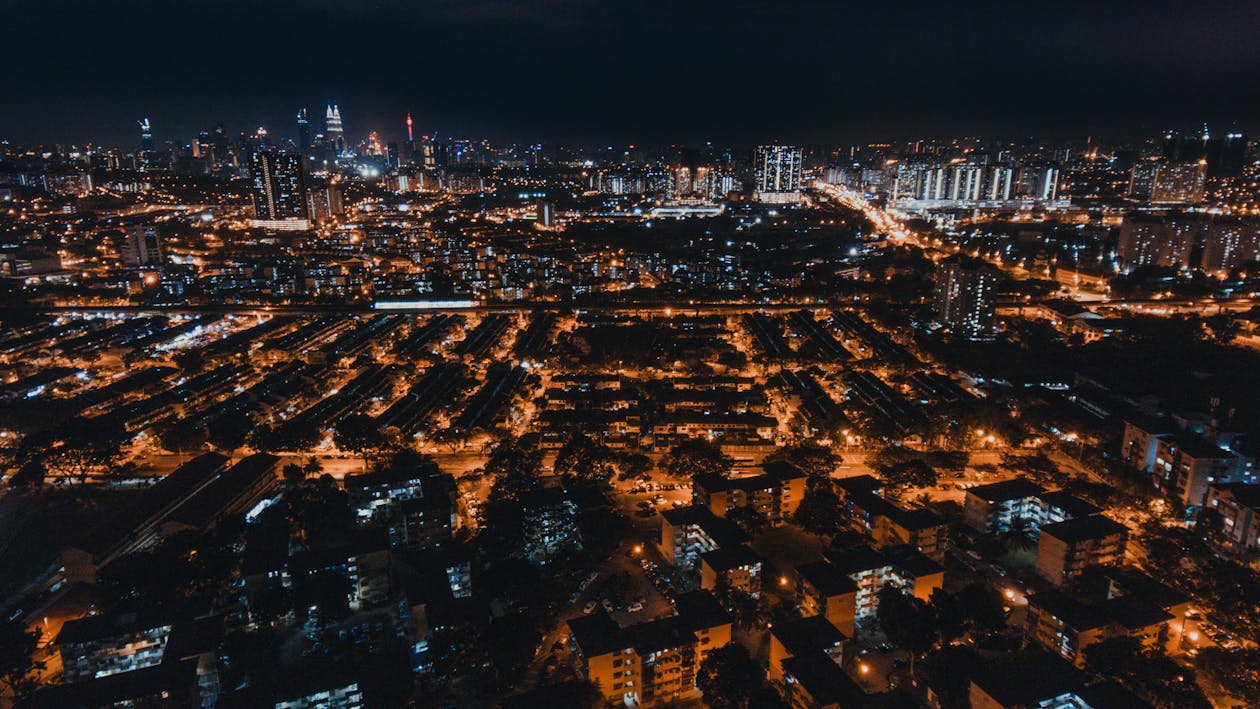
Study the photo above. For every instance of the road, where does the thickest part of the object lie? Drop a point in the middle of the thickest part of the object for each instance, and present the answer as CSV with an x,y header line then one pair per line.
x,y
888,223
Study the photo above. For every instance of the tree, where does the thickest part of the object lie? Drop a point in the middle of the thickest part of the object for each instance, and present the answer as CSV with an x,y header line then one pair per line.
x,y
948,671
358,434
914,472
729,678
1222,328
749,519
18,665
293,475
515,468
1237,671
809,458
948,615
1210,524
1017,536
323,594
981,606
907,621
634,466
84,446
227,433
694,457
183,437
584,458
820,511
1151,674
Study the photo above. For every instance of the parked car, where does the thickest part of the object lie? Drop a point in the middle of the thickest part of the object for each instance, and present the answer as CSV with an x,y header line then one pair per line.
x,y
635,607
589,607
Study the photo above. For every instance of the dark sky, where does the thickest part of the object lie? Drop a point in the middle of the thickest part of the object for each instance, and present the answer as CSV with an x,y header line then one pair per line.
x,y
616,71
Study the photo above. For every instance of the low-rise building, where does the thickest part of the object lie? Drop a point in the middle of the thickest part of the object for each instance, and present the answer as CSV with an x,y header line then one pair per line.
x,y
737,568
844,586
1065,549
1238,504
688,532
103,645
774,495
1034,678
989,509
1066,626
802,636
1183,460
815,681
889,524
823,590
655,661
997,507
550,525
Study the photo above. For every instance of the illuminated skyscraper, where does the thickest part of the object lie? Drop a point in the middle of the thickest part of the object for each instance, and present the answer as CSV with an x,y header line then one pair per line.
x,y
963,299
336,136
279,191
303,132
146,136
778,173
1180,183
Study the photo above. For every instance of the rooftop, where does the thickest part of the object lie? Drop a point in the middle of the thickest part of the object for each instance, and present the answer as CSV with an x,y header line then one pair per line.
x,y
826,578
1016,489
804,635
1084,528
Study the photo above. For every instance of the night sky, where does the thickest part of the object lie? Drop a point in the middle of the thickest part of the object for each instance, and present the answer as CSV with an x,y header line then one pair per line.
x,y
609,71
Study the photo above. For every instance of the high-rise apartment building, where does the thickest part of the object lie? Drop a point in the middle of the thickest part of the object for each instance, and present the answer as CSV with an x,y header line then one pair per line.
x,y
964,298
142,246
1168,182
778,173
279,191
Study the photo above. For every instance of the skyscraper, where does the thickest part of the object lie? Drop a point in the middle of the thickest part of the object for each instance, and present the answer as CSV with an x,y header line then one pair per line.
x,y
279,191
778,173
142,246
146,136
963,299
336,136
1180,183
303,132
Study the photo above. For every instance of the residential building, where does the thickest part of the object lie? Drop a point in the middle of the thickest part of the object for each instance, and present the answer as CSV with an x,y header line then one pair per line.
x,y
1238,504
550,525
774,495
142,246
688,532
964,298
888,524
735,567
1035,678
655,661
802,636
279,191
1065,549
1066,626
103,645
995,508
777,173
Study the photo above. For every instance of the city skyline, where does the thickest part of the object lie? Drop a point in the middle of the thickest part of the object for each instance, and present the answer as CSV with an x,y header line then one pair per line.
x,y
579,72
563,353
